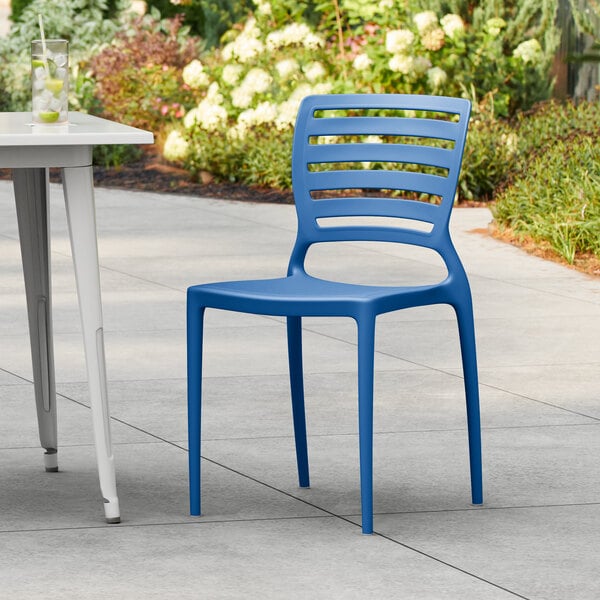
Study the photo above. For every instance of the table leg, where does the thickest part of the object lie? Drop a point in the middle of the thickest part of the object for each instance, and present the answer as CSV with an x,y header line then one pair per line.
x,y
81,216
31,195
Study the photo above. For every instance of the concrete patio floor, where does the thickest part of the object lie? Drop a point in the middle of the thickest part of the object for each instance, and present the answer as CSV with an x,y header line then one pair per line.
x,y
537,536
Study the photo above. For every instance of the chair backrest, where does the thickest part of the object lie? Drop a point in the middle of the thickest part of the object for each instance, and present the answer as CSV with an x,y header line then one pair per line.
x,y
377,155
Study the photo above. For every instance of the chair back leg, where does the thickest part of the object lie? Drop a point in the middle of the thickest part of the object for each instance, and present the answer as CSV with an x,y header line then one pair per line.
x,y
195,326
294,337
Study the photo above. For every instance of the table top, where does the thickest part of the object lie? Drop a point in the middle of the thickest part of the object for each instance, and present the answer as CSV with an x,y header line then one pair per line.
x,y
17,129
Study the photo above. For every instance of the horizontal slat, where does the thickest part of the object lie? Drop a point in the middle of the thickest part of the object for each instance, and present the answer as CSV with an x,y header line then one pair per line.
x,y
386,180
414,102
376,207
401,153
428,128
372,234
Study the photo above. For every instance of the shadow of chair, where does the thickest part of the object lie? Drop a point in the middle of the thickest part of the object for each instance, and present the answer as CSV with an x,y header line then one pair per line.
x,y
402,149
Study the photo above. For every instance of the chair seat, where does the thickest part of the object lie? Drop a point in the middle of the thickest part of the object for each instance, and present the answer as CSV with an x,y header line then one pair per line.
x,y
301,294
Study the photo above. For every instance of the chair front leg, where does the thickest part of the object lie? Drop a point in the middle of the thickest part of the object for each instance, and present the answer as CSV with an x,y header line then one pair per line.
x,y
466,328
366,361
195,326
294,336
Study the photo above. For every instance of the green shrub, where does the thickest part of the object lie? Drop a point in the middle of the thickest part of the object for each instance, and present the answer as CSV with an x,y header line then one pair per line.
x,y
208,19
489,158
263,160
17,7
499,150
138,77
554,194
80,22
116,155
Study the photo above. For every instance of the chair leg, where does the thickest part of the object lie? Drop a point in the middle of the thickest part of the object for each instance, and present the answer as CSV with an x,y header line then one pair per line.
x,y
366,352
464,314
195,325
294,336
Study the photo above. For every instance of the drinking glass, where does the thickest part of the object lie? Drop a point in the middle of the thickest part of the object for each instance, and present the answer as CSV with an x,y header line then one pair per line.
x,y
50,81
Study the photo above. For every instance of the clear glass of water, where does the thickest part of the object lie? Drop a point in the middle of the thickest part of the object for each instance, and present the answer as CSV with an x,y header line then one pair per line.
x,y
50,81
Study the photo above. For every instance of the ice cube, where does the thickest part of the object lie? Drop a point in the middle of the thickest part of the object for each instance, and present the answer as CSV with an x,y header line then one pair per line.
x,y
60,73
60,60
55,104
44,104
39,72
46,96
39,84
62,116
37,103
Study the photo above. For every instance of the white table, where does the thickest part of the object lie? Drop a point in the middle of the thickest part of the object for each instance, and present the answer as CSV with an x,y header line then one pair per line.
x,y
29,151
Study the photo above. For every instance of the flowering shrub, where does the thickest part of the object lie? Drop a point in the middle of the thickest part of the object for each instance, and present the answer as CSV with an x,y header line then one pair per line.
x,y
139,77
248,93
475,54
248,90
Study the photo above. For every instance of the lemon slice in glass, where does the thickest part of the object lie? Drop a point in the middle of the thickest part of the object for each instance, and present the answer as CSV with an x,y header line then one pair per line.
x,y
49,116
54,85
36,62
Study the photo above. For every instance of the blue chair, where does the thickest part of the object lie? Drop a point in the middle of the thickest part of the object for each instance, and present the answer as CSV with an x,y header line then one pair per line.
x,y
424,131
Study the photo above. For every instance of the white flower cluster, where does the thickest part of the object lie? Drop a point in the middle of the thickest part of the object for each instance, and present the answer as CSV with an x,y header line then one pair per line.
x,y
436,77
407,65
231,73
452,25
313,71
209,114
399,41
426,21
361,62
194,75
294,34
246,45
265,112
283,115
257,81
528,51
263,8
176,147
428,26
287,67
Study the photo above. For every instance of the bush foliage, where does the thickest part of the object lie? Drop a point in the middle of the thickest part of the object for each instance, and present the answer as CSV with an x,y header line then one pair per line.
x,y
248,89
553,194
138,76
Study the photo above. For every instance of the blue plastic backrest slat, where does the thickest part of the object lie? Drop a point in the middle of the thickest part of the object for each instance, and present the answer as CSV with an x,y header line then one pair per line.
x,y
400,153
373,234
306,178
390,180
388,126
377,207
